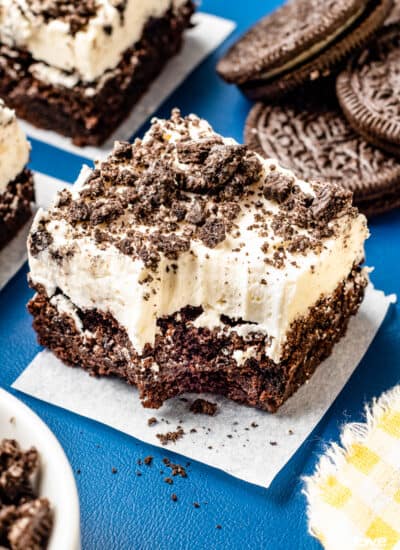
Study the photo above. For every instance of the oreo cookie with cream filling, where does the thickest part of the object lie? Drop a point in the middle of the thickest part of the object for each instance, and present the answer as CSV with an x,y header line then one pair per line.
x,y
369,91
309,135
302,41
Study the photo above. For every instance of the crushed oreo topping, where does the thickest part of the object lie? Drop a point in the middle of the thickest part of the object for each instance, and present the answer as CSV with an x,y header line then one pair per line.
x,y
182,183
40,239
77,13
25,519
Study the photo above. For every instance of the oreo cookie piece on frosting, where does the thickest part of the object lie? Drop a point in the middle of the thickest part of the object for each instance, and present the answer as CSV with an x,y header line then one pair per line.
x,y
309,135
301,41
369,91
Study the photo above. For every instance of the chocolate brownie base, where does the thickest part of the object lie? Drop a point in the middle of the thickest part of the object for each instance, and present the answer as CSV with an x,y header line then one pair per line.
x,y
186,358
15,206
89,116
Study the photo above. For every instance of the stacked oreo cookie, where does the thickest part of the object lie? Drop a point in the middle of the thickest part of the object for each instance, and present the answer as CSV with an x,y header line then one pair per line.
x,y
327,78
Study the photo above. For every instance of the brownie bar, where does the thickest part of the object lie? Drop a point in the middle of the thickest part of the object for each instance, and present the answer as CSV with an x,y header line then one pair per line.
x,y
89,118
192,359
15,206
211,260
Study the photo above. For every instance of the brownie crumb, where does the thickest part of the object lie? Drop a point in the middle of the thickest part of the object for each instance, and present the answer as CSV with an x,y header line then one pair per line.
x,y
254,425
148,460
114,470
176,469
202,406
171,436
169,480
174,498
196,504
151,421
273,443
218,526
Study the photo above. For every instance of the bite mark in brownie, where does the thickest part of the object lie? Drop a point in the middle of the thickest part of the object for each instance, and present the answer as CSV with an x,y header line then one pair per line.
x,y
200,360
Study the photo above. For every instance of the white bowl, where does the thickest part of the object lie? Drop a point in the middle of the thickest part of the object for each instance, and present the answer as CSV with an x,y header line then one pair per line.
x,y
56,481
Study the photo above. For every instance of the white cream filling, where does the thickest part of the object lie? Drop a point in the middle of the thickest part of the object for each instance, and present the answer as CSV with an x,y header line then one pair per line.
x,y
308,54
223,282
90,52
14,148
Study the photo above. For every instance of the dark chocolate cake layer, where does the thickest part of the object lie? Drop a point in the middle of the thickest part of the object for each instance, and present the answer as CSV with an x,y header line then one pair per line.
x,y
15,206
193,359
78,113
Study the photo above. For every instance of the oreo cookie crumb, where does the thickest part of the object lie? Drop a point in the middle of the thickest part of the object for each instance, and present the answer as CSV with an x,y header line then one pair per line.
x,y
26,520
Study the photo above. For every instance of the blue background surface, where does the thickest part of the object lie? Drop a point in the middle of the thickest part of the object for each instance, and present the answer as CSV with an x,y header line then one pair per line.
x,y
123,511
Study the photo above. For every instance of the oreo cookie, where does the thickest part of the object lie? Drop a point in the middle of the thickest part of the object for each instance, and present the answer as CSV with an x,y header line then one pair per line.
x,y
309,135
369,91
302,41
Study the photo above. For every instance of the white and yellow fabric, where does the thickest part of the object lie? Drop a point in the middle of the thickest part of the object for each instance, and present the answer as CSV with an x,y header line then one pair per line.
x,y
354,496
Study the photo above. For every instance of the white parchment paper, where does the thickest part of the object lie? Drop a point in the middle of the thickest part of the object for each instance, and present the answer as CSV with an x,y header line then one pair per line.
x,y
246,443
208,33
13,256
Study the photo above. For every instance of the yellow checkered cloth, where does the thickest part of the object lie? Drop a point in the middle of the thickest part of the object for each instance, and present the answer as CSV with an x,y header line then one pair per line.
x,y
354,496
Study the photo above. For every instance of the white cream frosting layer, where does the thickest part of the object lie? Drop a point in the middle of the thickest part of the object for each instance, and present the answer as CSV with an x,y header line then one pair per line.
x,y
227,280
88,53
14,148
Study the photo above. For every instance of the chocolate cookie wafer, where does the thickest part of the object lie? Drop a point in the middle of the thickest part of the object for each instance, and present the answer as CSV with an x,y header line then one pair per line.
x,y
309,135
302,41
369,91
